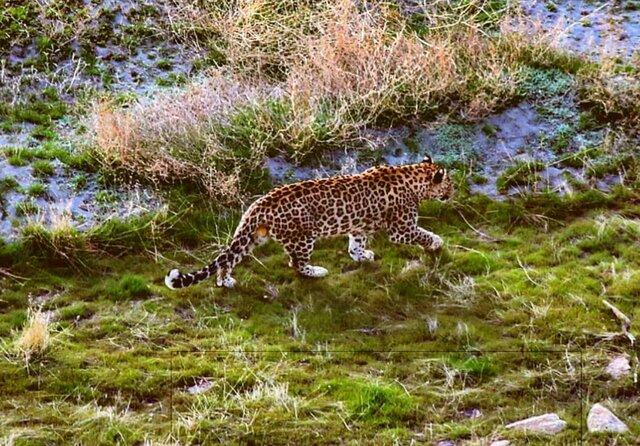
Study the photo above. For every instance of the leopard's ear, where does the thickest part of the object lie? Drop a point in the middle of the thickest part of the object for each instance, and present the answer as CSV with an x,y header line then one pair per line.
x,y
427,159
439,175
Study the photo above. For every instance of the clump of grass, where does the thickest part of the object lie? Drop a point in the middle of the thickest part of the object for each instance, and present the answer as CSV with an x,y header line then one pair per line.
x,y
79,182
37,189
8,183
17,161
185,122
105,196
43,132
50,150
611,97
130,286
521,173
42,168
171,80
625,162
18,156
34,338
581,158
26,207
60,244
562,138
375,403
164,64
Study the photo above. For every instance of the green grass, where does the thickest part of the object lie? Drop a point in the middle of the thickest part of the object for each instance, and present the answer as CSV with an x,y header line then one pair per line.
x,y
26,208
316,352
129,287
37,190
79,182
42,168
104,196
521,173
8,183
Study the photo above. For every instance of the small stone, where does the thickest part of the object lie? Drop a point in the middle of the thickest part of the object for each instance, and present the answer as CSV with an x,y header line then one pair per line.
x,y
432,324
601,419
472,413
200,387
549,423
411,265
619,367
501,443
445,443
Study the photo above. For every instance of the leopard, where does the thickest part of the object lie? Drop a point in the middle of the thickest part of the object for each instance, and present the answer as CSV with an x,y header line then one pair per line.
x,y
381,198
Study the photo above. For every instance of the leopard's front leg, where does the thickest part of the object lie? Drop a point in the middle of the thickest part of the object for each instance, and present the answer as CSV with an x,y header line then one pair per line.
x,y
403,228
417,236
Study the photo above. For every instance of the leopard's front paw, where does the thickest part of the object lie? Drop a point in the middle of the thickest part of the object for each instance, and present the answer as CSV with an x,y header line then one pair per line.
x,y
436,243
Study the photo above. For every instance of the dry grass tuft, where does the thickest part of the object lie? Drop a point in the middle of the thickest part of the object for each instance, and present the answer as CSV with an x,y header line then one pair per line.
x,y
382,69
174,136
34,338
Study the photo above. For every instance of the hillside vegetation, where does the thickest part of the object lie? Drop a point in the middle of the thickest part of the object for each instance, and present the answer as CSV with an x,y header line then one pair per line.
x,y
511,319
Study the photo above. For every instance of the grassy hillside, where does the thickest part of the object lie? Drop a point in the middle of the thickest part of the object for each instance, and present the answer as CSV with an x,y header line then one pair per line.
x,y
510,320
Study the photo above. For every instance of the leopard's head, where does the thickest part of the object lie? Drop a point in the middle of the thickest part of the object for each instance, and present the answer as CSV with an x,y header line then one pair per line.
x,y
435,181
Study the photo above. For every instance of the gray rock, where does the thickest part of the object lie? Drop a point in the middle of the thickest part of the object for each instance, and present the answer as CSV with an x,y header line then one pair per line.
x,y
549,423
201,386
501,443
472,413
619,367
601,419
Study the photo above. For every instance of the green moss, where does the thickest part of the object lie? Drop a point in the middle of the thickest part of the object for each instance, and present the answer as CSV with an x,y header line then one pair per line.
x,y
453,145
544,82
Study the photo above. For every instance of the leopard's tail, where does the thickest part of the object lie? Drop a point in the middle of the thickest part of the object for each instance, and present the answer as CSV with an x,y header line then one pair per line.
x,y
247,236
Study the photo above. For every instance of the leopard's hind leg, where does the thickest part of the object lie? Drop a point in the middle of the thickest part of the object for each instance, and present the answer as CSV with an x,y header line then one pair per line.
x,y
358,248
299,251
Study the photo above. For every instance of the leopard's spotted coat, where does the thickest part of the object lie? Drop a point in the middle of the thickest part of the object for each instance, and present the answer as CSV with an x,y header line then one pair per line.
x,y
381,198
